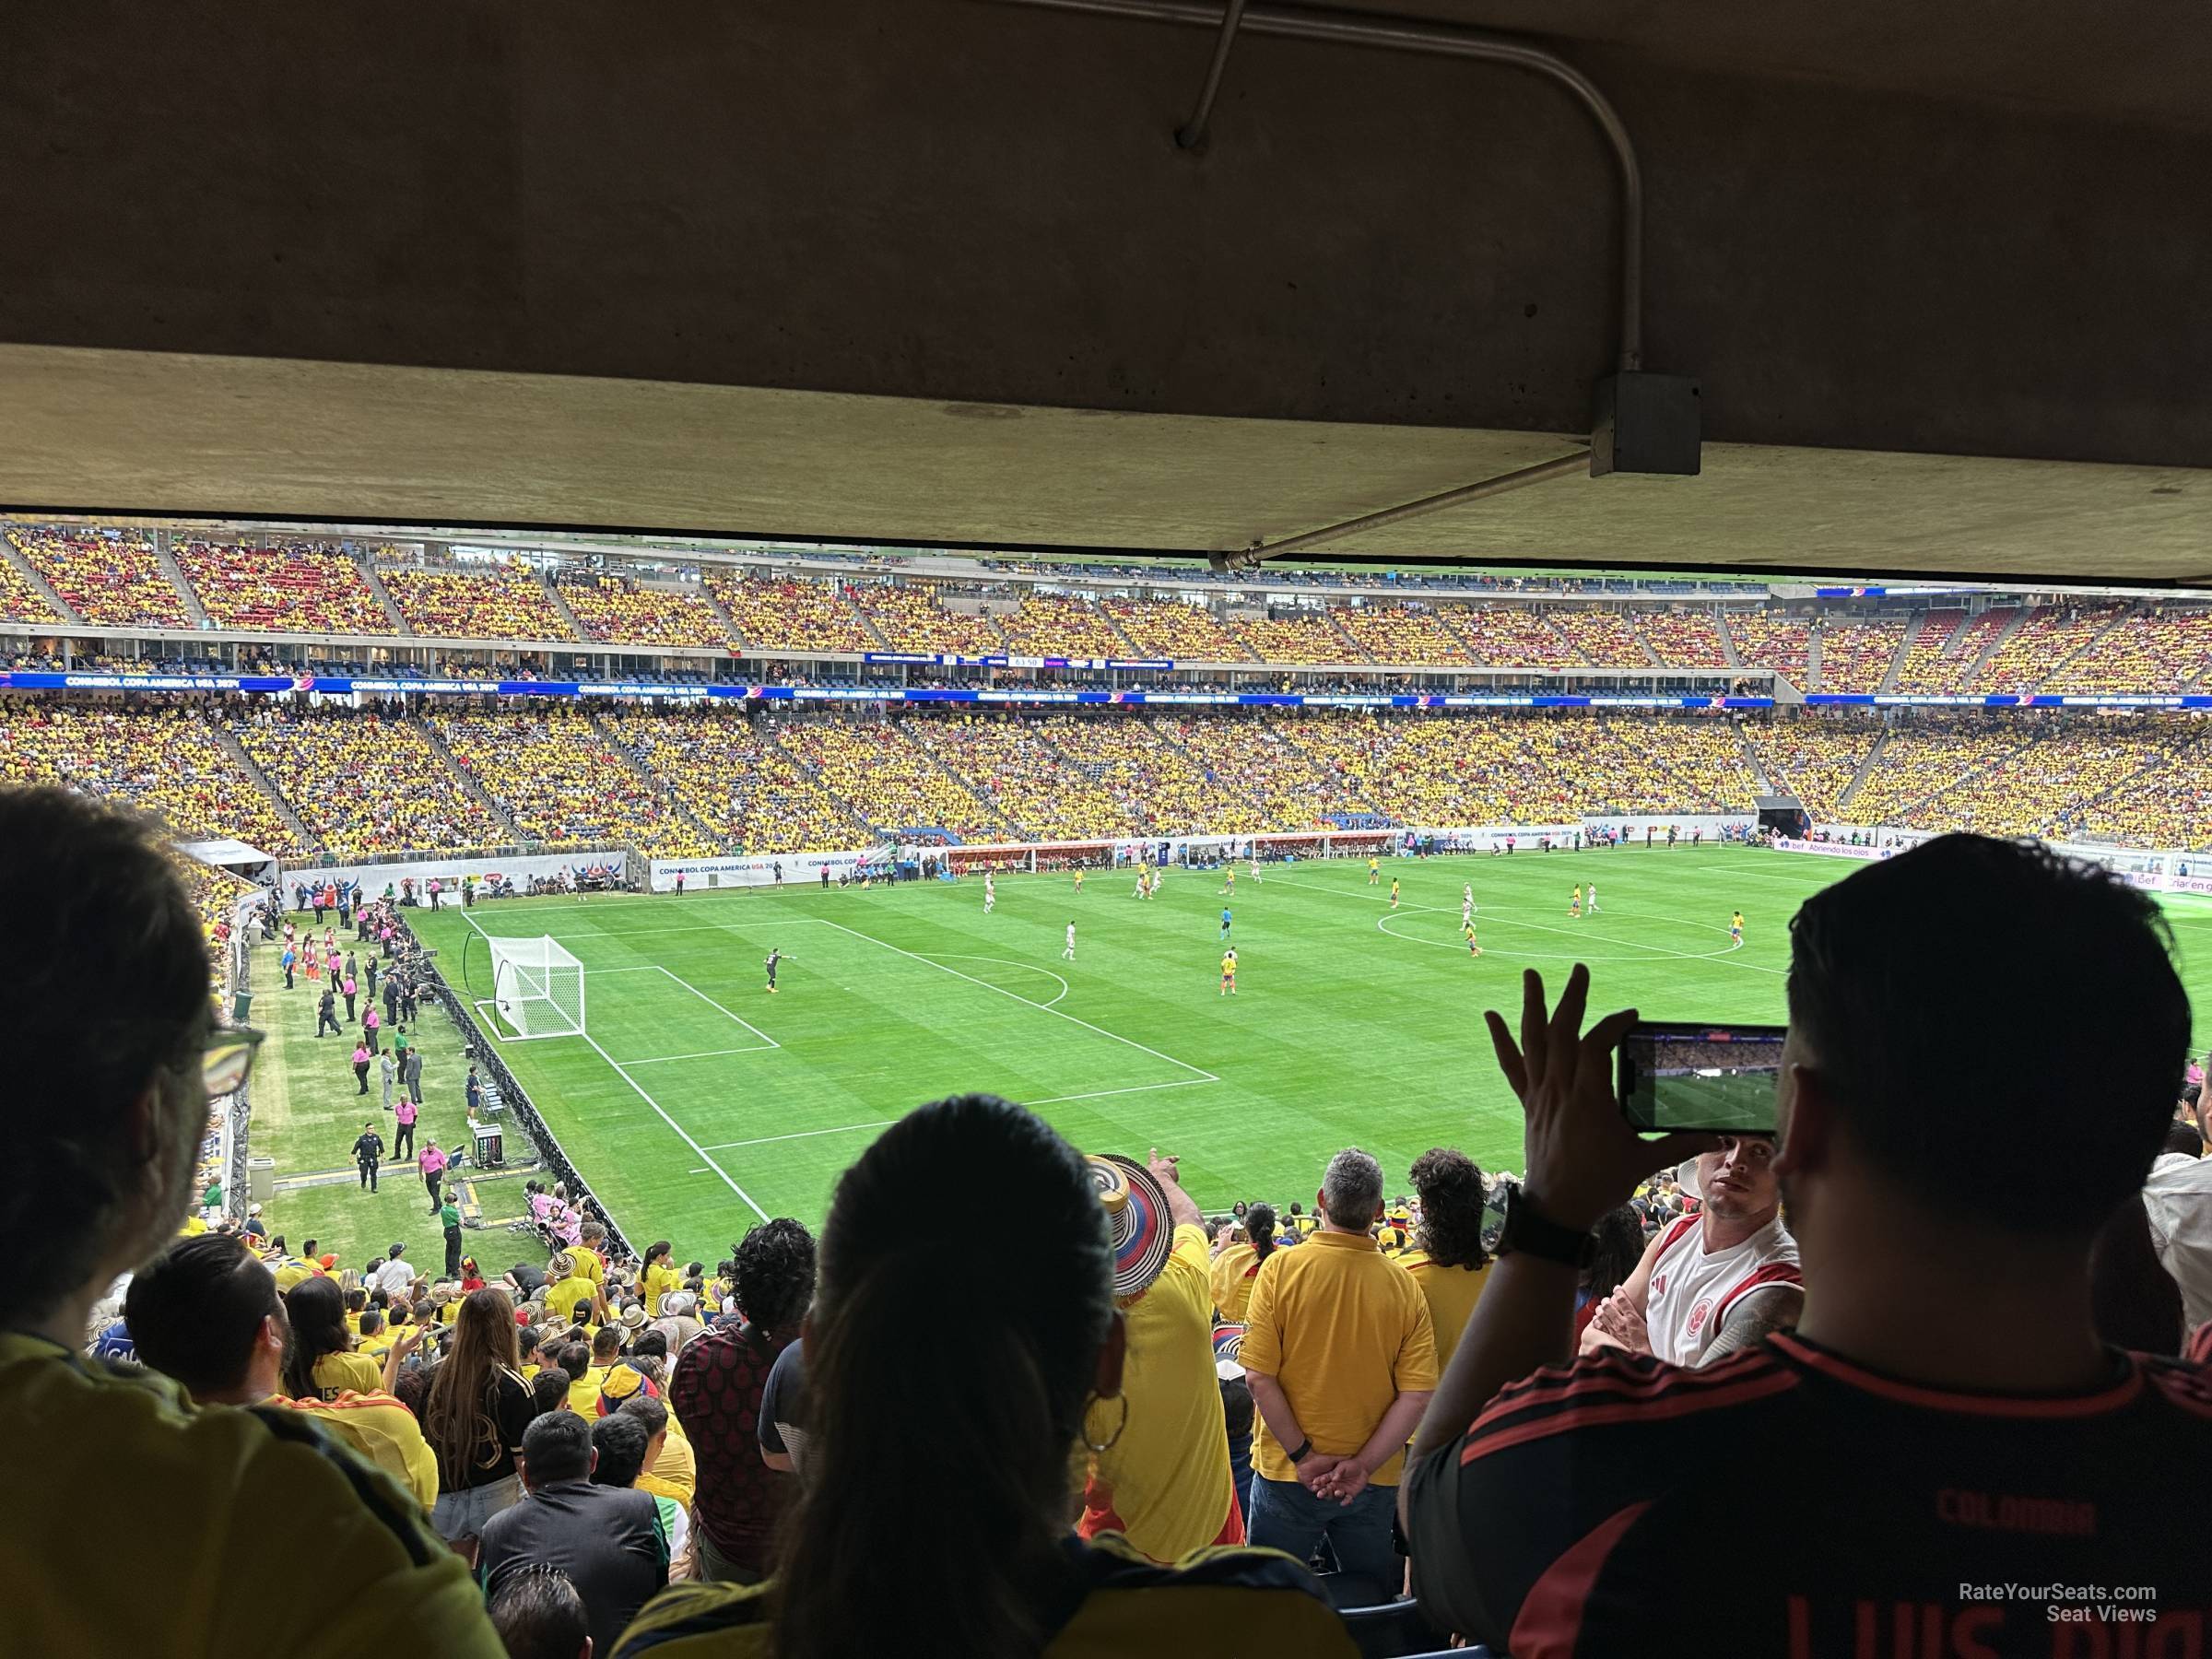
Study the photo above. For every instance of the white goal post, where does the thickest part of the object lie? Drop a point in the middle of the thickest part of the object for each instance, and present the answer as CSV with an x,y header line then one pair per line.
x,y
538,988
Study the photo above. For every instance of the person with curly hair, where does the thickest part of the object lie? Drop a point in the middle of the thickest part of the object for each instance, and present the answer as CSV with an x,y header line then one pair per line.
x,y
715,1393
1447,1260
1619,1235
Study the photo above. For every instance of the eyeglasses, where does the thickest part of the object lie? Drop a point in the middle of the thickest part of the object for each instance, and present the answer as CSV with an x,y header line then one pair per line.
x,y
228,1058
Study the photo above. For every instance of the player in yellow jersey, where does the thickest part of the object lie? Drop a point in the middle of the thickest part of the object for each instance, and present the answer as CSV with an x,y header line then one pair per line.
x,y
1736,927
1394,892
1228,971
1374,871
1574,905
1229,881
1472,948
1079,879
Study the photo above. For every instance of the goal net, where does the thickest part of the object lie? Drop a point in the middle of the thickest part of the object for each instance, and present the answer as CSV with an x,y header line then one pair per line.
x,y
538,988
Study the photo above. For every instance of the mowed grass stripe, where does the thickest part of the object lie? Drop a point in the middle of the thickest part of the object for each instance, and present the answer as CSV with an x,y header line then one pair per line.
x,y
1343,1032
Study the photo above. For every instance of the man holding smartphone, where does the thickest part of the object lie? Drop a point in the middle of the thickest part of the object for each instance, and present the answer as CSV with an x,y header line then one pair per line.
x,y
1944,1424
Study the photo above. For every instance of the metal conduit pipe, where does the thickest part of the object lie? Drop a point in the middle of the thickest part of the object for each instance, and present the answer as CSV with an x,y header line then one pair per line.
x,y
1558,467
1191,133
1432,39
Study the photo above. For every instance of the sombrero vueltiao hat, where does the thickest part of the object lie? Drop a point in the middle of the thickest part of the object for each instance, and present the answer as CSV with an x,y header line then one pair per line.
x,y
1228,1351
1138,1217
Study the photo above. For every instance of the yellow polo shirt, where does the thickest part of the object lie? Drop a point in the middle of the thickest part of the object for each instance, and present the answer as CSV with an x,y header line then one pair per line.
x,y
202,1486
1345,1331
659,1281
1164,1483
583,1391
1452,1293
590,1263
560,1301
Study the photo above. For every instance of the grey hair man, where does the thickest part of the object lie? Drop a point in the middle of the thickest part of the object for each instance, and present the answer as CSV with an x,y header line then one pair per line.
x,y
1340,1355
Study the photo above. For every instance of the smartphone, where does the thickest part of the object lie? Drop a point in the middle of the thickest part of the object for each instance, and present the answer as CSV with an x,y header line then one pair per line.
x,y
1719,1079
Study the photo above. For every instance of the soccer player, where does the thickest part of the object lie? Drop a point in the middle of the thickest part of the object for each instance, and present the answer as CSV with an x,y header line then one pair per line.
x,y
1374,871
1394,892
1225,921
1078,881
1735,926
1472,948
1144,884
774,957
1574,905
1594,898
1255,864
1229,881
1068,955
990,891
1228,971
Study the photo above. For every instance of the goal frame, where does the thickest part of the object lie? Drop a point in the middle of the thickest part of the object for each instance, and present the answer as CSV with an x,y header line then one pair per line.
x,y
514,963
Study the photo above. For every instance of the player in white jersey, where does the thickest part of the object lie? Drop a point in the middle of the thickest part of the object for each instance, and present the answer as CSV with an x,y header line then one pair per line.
x,y
990,892
1068,955
1255,864
1592,910
1717,1282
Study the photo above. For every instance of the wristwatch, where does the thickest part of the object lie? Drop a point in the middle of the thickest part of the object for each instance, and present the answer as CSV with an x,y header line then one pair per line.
x,y
1531,1232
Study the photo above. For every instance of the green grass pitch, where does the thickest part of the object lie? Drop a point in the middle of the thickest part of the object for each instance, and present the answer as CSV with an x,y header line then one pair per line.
x,y
699,1103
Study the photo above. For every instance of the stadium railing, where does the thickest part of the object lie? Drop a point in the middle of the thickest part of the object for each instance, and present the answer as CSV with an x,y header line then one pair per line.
x,y
484,1051
1182,849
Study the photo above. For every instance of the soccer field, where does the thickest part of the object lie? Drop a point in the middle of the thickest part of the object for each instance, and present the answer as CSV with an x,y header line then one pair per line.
x,y
698,1103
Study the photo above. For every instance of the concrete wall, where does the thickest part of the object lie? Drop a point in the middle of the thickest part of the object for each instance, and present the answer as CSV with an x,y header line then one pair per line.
x,y
972,203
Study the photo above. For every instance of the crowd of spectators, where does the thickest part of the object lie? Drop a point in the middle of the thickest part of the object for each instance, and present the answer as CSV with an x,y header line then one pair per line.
x,y
1295,637
1927,666
2166,648
727,771
2043,646
20,601
1405,635
1514,636
1604,635
292,587
1681,637
162,758
1069,625
557,776
890,781
365,781
1855,655
112,579
1176,629
1765,640
503,601
777,613
616,610
1041,792
912,618
1814,756
1158,785
1928,754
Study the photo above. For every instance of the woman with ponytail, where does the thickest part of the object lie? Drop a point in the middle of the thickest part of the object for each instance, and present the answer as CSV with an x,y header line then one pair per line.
x,y
1236,1267
949,1375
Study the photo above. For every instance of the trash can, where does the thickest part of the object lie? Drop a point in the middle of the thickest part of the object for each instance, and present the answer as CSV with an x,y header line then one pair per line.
x,y
261,1179
241,1005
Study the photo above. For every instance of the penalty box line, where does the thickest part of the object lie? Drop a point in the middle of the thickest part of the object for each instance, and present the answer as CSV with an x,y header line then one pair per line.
x,y
644,1094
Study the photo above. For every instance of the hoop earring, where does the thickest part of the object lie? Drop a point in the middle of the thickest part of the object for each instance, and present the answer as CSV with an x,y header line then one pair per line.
x,y
1107,1445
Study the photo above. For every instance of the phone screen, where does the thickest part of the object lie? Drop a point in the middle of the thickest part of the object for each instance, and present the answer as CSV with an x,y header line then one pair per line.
x,y
1717,1078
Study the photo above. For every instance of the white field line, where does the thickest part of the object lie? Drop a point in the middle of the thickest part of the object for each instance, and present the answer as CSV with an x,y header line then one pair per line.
x,y
1202,1074
756,1030
646,1096
754,1047
801,1135
957,956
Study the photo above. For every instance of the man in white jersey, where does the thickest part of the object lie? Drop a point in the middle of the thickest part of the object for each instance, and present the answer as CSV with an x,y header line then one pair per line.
x,y
1714,1282
1592,910
1068,955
